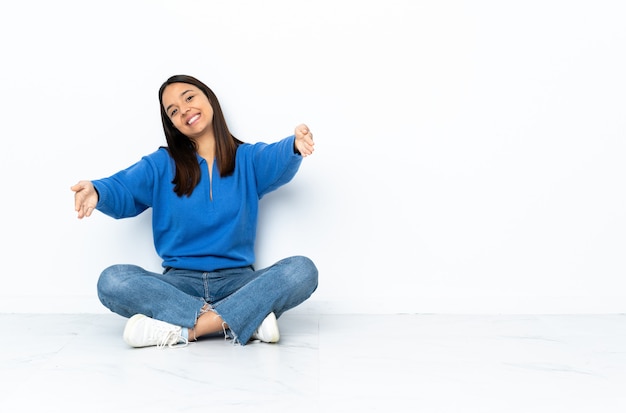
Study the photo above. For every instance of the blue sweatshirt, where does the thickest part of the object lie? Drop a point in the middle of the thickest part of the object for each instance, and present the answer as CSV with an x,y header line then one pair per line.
x,y
196,232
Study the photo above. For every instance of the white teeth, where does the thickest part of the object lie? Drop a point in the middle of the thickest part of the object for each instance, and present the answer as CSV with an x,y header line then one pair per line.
x,y
193,119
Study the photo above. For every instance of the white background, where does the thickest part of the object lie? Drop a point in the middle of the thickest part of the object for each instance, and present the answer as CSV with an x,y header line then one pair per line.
x,y
469,158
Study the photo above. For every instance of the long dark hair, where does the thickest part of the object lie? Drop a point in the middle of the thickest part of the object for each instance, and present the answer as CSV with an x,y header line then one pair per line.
x,y
183,149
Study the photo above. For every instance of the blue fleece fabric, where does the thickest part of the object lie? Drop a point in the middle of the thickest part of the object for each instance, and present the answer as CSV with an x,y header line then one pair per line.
x,y
197,232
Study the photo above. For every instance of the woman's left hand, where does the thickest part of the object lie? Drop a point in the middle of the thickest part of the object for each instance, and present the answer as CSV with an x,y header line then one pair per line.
x,y
304,140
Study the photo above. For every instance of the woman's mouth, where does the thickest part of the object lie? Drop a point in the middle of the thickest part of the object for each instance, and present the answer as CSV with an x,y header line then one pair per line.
x,y
193,119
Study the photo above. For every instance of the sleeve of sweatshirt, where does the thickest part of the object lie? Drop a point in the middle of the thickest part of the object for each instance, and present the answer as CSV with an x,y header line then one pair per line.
x,y
275,164
128,192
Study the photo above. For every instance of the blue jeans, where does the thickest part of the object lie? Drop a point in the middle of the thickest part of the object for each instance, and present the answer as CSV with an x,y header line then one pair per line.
x,y
243,297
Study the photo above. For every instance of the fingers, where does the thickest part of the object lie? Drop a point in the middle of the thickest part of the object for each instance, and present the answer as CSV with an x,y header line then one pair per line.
x,y
83,207
85,211
77,187
305,148
304,140
85,198
303,130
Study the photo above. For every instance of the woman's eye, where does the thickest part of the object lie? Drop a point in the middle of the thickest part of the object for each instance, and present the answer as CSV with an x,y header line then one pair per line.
x,y
172,113
189,97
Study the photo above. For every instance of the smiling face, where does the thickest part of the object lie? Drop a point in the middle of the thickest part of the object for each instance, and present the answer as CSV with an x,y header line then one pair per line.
x,y
189,110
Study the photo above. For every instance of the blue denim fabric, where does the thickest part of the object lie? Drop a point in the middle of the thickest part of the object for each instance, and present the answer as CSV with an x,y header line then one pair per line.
x,y
243,297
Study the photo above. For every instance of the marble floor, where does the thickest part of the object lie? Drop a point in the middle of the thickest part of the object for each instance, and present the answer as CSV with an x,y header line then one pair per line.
x,y
323,363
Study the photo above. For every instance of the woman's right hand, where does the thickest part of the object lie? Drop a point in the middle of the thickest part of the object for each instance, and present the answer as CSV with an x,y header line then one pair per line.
x,y
304,140
85,198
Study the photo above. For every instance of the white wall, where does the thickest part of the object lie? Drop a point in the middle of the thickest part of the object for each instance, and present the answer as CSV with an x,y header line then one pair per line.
x,y
470,154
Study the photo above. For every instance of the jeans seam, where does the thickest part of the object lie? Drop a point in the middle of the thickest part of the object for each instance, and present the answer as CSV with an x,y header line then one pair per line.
x,y
205,279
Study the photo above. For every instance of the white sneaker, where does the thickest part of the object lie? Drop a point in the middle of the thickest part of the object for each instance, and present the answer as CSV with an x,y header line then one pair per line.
x,y
143,331
268,330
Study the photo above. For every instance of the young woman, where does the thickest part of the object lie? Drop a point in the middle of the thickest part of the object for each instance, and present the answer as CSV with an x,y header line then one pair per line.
x,y
204,190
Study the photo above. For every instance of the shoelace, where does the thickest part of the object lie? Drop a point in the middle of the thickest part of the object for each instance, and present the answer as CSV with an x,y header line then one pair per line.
x,y
171,339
